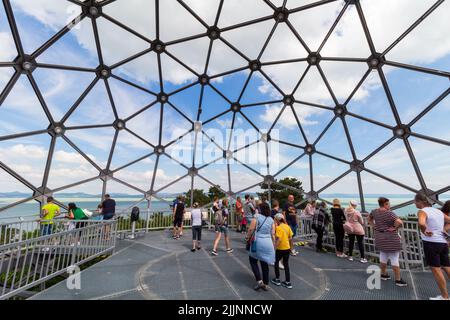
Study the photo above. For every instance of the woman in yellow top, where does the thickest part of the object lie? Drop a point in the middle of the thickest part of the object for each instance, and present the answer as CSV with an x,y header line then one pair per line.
x,y
283,245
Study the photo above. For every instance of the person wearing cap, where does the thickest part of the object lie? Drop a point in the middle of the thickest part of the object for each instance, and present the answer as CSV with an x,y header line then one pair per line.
x,y
355,224
196,216
283,244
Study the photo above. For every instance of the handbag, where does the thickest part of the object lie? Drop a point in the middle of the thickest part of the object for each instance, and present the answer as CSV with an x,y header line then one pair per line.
x,y
251,242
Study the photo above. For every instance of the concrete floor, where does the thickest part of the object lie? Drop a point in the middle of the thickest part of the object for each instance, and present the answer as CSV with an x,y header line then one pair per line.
x,y
157,267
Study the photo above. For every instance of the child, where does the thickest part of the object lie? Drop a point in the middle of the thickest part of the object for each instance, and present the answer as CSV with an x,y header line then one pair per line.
x,y
283,243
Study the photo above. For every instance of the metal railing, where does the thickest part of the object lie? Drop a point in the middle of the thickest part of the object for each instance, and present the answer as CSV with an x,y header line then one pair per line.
x,y
30,262
412,254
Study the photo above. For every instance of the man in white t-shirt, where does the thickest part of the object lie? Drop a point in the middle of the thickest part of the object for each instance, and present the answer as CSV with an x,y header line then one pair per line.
x,y
432,224
196,216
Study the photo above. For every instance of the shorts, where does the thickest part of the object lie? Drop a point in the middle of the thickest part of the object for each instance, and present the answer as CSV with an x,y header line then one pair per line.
x,y
394,257
197,233
436,254
178,222
108,216
222,229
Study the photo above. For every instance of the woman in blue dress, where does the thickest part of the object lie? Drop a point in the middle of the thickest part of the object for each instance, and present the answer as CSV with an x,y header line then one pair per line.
x,y
263,249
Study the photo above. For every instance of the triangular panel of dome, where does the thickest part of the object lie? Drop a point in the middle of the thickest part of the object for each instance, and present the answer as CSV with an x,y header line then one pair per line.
x,y
114,188
335,142
128,149
253,156
192,53
175,124
22,111
174,74
8,52
243,133
213,174
394,162
236,11
348,185
313,89
27,156
95,109
325,170
111,38
98,148
93,188
147,124
206,151
374,187
422,90
313,120
139,174
187,101
243,178
182,150
167,174
250,39
218,65
12,189
383,34
366,137
259,89
286,128
370,101
348,38
176,22
142,71
432,159
219,126
76,48
262,117
229,86
435,122
343,77
61,89
426,45
142,21
286,75
206,11
38,23
283,157
313,24
283,45
68,166
300,171
128,99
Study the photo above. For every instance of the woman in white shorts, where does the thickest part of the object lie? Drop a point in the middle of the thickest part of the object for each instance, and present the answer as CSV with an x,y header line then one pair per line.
x,y
387,240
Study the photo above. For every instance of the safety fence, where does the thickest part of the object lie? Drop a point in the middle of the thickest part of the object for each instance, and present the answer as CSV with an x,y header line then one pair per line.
x,y
412,255
29,262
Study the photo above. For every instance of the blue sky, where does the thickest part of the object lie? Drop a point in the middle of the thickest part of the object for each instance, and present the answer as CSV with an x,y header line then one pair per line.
x,y
412,91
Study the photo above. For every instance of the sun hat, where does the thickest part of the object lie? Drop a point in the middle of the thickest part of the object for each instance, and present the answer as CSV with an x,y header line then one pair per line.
x,y
279,217
353,203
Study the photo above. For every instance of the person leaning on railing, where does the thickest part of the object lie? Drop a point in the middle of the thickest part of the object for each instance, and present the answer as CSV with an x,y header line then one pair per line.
x,y
387,240
48,213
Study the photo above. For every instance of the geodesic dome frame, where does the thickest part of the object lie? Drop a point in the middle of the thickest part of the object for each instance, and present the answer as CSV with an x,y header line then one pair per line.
x,y
27,63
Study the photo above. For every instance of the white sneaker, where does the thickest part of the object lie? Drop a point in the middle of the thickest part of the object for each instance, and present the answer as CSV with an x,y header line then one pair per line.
x,y
350,258
363,260
438,298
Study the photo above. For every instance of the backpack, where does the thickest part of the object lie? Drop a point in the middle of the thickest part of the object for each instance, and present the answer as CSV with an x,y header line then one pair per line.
x,y
218,217
135,214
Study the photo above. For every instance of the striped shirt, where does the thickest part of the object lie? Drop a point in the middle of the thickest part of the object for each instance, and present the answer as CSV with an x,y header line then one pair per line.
x,y
386,240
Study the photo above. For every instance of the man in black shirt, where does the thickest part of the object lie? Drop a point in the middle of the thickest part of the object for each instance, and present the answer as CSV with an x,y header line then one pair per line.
x,y
108,208
290,212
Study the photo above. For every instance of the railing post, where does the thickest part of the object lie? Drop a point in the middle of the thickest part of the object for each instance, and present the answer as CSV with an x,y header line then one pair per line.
x,y
149,205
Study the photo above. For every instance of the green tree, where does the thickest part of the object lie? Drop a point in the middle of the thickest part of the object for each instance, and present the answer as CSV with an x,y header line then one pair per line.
x,y
215,191
281,193
199,196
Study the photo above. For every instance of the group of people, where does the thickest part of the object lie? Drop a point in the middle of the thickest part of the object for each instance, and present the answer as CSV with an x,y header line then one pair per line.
x,y
270,230
78,216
